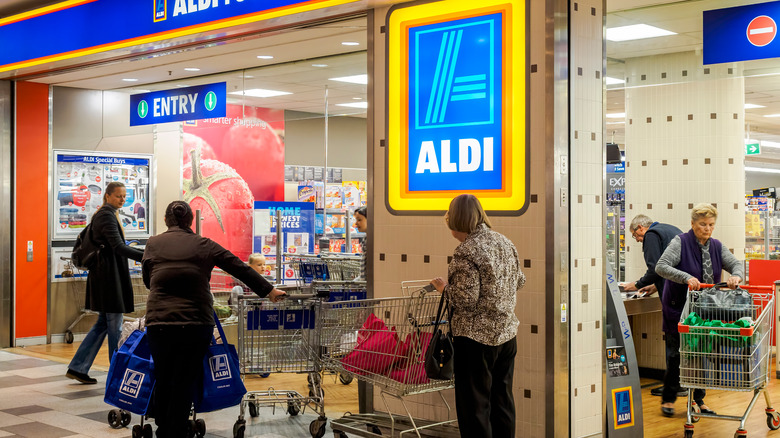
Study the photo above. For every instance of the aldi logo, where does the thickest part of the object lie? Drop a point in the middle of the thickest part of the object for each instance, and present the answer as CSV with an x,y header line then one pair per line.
x,y
131,383
160,10
622,407
457,105
219,367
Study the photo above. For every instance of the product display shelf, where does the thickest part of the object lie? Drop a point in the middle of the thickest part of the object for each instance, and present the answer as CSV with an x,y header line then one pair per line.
x,y
762,235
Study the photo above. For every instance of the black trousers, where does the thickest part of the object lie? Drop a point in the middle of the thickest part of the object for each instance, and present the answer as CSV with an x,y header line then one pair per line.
x,y
672,376
178,352
483,388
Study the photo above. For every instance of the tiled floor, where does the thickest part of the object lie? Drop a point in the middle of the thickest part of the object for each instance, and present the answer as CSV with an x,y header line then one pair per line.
x,y
37,400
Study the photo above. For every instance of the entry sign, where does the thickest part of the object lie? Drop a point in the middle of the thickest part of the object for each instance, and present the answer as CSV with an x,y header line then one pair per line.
x,y
457,106
741,33
180,104
752,149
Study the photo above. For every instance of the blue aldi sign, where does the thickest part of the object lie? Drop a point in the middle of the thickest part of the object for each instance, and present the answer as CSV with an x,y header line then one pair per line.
x,y
455,79
178,105
457,105
623,408
741,33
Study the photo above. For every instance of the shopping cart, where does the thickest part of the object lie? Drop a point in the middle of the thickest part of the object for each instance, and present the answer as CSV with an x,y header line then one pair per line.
x,y
280,337
334,267
78,285
731,352
396,368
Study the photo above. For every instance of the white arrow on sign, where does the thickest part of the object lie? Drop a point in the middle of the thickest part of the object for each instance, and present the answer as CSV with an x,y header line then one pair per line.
x,y
752,148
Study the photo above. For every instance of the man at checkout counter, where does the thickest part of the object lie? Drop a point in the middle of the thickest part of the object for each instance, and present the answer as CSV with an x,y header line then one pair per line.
x,y
655,237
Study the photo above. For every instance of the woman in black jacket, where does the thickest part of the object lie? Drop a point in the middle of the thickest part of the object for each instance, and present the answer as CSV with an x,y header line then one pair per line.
x,y
177,267
109,289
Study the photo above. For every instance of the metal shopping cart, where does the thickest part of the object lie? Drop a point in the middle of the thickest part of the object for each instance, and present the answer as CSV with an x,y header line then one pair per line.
x,y
280,337
727,347
333,267
396,368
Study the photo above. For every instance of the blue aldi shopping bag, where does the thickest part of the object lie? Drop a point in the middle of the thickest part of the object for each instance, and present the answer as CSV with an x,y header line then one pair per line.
x,y
222,385
130,380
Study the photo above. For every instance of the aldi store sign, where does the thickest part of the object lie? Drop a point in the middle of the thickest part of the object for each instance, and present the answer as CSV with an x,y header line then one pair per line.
x,y
180,104
457,119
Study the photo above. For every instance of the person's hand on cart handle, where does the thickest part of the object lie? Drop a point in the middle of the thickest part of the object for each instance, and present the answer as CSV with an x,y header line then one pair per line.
x,y
439,283
733,282
276,295
693,283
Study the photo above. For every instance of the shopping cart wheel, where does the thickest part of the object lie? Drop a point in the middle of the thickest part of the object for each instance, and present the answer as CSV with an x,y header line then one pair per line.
x,y
696,410
125,416
740,433
317,427
239,428
320,395
200,427
252,409
138,431
339,434
114,419
373,428
293,406
345,379
688,431
772,419
265,375
69,337
148,432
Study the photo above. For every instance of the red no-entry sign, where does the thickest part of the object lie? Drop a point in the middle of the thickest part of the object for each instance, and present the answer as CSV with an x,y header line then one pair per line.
x,y
761,31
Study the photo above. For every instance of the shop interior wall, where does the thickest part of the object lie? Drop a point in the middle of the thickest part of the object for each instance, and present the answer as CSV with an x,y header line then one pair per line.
x,y
418,247
757,180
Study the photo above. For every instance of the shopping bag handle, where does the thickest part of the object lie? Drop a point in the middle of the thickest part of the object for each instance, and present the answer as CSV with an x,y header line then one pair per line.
x,y
219,328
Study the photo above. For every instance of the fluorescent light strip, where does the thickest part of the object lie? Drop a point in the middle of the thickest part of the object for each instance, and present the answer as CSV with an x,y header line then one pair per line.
x,y
613,81
354,104
753,106
616,116
259,92
770,144
355,79
761,170
636,32
772,115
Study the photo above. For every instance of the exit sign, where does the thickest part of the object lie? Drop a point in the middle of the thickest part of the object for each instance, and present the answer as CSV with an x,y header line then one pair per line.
x,y
752,149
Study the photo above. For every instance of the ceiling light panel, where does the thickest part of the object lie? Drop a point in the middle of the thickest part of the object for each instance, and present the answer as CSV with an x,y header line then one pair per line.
x,y
260,92
354,104
636,32
753,106
354,79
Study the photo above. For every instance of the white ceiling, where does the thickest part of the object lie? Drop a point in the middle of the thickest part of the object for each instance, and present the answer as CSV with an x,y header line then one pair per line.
x,y
685,18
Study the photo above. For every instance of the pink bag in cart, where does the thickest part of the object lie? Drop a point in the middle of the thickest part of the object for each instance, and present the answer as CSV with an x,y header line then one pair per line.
x,y
412,370
376,351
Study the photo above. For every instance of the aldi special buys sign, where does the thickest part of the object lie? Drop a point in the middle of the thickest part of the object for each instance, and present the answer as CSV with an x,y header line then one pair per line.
x,y
74,28
457,105
180,104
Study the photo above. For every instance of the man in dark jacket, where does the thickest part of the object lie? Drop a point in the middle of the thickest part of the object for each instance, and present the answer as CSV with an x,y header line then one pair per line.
x,y
655,237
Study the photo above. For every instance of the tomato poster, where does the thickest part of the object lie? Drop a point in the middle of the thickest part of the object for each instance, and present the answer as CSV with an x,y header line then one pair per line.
x,y
80,179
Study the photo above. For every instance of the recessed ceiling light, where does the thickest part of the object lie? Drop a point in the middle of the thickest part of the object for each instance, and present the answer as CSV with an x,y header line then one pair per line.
x,y
191,69
616,123
354,104
357,98
182,85
356,79
770,144
753,105
319,65
761,169
259,92
616,116
265,57
350,43
636,32
130,80
772,115
613,81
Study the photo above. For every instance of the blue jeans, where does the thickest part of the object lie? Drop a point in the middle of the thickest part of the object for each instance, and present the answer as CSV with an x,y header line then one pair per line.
x,y
107,324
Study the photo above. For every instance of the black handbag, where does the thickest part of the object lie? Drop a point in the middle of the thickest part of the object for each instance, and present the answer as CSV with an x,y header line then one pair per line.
x,y
723,304
440,355
85,251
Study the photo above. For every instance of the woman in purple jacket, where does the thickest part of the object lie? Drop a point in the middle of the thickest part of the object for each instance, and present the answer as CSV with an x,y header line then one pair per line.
x,y
690,259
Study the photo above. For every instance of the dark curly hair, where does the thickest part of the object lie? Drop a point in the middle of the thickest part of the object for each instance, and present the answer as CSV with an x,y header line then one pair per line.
x,y
179,214
363,211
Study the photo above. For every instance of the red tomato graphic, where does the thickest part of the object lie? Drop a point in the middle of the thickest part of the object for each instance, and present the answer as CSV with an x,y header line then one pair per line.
x,y
225,202
191,142
257,154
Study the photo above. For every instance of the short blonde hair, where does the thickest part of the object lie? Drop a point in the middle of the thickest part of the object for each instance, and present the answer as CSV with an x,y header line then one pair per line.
x,y
466,214
704,210
256,257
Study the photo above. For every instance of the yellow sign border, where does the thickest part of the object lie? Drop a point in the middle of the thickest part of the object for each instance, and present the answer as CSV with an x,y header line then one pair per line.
x,y
614,407
512,199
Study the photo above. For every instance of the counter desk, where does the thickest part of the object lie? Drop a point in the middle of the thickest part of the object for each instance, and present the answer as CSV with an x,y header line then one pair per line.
x,y
645,318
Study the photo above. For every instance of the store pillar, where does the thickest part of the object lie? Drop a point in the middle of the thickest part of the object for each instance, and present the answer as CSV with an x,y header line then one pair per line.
x,y
684,132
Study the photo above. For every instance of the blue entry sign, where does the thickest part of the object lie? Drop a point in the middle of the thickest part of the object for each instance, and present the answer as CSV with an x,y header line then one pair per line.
x,y
741,33
178,105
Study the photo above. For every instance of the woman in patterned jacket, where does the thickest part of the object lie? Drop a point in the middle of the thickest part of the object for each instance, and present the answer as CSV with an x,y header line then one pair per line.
x,y
482,284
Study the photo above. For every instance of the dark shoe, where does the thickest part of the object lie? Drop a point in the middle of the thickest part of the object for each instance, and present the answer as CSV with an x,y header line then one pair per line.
x,y
658,391
705,410
81,377
668,412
